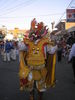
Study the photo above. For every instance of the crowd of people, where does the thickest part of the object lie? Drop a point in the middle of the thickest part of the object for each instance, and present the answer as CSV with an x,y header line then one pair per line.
x,y
66,49
64,46
8,50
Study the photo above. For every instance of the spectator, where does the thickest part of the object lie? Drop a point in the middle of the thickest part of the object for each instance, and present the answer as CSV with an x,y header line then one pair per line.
x,y
72,58
21,47
59,53
13,51
7,51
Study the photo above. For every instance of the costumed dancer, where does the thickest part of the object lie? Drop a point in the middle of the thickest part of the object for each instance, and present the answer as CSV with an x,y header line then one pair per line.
x,y
37,64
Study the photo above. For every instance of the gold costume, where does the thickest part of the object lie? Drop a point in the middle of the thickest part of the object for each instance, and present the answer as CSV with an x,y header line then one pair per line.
x,y
41,71
36,64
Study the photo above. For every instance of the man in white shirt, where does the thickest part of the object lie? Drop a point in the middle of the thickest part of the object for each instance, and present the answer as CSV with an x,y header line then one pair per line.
x,y
21,47
72,57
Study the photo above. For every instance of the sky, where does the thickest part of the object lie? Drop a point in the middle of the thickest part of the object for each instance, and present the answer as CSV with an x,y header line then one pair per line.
x,y
19,13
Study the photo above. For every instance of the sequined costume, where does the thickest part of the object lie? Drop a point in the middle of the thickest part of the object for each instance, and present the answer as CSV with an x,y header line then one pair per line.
x,y
37,63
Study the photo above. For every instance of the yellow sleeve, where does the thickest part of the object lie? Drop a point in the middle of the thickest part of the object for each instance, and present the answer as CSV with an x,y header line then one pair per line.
x,y
22,57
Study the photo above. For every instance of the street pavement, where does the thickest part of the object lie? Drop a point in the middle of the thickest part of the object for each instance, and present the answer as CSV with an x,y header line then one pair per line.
x,y
9,82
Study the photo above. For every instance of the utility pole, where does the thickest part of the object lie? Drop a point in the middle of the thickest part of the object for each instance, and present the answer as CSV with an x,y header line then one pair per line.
x,y
52,25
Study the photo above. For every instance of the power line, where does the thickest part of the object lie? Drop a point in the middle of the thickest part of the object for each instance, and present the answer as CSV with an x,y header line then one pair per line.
x,y
5,3
18,5
32,16
10,3
65,11
21,5
70,3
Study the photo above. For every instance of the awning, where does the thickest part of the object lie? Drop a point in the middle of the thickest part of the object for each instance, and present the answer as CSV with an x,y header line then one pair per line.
x,y
72,29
